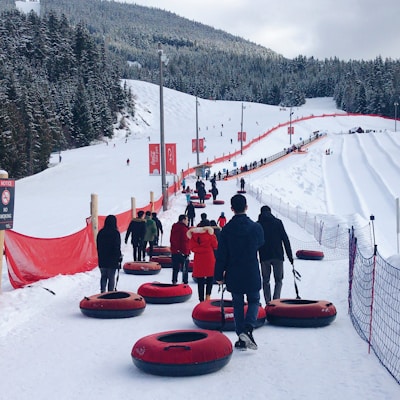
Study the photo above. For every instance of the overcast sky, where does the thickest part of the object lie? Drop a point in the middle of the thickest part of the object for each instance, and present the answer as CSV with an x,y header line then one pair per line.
x,y
347,29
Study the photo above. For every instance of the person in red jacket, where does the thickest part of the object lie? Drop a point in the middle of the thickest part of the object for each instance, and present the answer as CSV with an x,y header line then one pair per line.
x,y
203,243
221,220
180,249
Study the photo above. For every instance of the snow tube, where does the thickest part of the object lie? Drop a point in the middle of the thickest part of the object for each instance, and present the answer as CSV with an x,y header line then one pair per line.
x,y
194,197
309,254
142,268
164,260
113,305
300,313
208,315
241,191
165,293
160,250
218,202
198,205
182,352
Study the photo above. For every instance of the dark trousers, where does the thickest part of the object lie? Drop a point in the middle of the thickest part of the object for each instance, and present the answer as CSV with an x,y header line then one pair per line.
x,y
179,262
204,283
242,322
107,279
151,245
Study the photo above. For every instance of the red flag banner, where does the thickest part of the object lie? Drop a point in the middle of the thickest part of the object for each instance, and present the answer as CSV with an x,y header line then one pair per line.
x,y
201,145
170,158
241,136
154,159
290,130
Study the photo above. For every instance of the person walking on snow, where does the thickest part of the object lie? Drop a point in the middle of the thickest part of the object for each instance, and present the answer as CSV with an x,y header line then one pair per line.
x,y
242,183
271,252
150,234
237,266
203,243
180,249
137,230
159,228
221,220
109,254
190,212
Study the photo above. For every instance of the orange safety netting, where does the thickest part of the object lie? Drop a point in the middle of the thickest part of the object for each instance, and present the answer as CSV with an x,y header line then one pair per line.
x,y
31,259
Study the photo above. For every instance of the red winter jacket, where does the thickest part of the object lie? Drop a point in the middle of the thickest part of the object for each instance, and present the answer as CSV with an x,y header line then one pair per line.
x,y
203,242
179,240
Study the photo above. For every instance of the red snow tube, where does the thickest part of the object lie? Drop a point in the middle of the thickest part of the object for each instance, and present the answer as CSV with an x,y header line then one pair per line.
x,y
218,202
300,313
113,305
142,268
198,205
165,293
309,254
182,352
164,260
208,315
194,197
160,250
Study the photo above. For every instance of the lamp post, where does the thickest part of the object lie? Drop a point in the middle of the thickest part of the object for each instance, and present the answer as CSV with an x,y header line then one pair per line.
x,y
395,115
241,133
162,59
197,133
290,126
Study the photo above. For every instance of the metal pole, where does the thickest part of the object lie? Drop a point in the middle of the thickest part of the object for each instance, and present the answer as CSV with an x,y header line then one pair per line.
x,y
241,133
395,115
290,127
197,133
162,141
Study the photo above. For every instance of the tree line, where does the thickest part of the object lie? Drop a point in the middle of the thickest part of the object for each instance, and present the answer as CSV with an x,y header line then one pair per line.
x,y
58,90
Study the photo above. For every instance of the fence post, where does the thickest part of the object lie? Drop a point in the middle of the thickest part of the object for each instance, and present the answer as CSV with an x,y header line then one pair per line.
x,y
133,207
3,175
94,214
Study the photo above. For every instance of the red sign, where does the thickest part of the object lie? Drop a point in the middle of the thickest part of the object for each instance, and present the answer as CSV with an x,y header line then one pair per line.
x,y
241,136
170,158
154,159
290,130
201,145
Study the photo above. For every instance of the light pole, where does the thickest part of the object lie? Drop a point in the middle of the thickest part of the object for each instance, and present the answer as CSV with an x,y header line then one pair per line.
x,y
241,133
162,59
197,133
395,115
290,126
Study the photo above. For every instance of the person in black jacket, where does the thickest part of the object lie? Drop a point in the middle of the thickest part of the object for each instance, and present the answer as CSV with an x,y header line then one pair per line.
x,y
108,243
159,228
191,213
137,228
237,265
271,253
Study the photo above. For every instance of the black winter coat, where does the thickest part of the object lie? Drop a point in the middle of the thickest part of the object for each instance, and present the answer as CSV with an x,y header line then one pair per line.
x,y
274,235
109,244
136,228
237,255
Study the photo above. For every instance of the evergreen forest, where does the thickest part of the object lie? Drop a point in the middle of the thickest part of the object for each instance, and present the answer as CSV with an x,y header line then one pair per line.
x,y
60,73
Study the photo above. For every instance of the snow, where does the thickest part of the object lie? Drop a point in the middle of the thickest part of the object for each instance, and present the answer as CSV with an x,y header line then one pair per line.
x,y
49,349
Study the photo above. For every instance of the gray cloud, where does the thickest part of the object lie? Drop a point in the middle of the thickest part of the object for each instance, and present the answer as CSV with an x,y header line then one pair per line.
x,y
347,29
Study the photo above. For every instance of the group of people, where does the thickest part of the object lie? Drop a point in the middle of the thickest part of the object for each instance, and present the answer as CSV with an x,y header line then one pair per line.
x,y
227,253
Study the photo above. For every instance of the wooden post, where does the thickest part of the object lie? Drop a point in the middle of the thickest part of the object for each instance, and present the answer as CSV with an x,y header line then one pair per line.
x,y
133,207
152,201
3,175
94,214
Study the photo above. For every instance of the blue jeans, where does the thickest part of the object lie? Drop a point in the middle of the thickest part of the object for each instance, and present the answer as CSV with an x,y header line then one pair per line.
x,y
253,302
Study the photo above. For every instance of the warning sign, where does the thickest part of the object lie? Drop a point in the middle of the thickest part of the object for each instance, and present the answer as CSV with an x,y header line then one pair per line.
x,y
7,193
